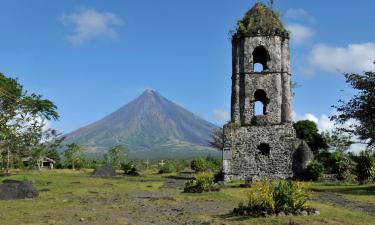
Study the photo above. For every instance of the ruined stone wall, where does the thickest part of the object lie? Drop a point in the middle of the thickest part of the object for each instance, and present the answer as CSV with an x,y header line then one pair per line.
x,y
275,80
244,160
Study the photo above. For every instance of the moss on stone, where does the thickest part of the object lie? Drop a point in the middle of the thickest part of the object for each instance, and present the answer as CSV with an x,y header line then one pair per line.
x,y
260,20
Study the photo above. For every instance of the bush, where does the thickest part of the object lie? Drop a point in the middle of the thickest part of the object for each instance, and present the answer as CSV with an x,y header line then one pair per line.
x,y
202,182
199,165
260,197
275,197
219,176
127,166
314,171
344,168
168,167
289,196
365,168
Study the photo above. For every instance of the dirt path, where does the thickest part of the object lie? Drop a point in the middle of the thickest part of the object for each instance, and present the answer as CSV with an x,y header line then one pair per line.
x,y
163,205
336,199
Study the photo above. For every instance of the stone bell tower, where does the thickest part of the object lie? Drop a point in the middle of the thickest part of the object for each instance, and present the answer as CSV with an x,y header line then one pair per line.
x,y
259,140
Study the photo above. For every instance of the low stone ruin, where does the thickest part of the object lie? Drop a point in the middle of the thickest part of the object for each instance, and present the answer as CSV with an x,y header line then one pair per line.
x,y
106,170
14,189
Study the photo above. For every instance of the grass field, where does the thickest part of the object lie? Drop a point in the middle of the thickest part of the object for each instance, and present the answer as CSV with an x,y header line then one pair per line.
x,y
68,197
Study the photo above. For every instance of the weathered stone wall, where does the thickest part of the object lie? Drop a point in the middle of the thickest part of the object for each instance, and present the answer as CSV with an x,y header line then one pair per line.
x,y
243,160
258,147
275,80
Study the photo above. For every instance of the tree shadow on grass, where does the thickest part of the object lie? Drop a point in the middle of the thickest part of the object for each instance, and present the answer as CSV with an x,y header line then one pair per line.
x,y
352,190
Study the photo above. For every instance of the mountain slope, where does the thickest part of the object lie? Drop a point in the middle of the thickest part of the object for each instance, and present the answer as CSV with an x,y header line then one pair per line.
x,y
150,124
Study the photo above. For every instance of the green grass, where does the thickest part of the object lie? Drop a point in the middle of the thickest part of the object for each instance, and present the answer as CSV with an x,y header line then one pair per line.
x,y
353,192
76,195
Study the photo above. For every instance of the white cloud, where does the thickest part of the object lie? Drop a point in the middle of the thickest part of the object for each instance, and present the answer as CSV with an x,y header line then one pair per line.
x,y
352,58
89,23
300,33
299,14
323,122
221,115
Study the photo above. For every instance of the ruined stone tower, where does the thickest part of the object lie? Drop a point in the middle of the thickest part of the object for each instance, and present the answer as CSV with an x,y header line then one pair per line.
x,y
259,143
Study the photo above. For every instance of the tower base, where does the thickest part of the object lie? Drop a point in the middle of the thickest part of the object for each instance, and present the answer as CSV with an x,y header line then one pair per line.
x,y
258,152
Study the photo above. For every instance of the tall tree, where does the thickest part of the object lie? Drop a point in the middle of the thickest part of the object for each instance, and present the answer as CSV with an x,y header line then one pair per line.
x,y
115,156
308,131
73,153
337,141
22,118
360,108
217,139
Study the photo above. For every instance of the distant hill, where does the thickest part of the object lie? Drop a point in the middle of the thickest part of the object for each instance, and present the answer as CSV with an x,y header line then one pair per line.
x,y
150,126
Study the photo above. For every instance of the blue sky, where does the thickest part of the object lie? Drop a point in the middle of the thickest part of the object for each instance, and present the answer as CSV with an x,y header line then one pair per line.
x,y
92,57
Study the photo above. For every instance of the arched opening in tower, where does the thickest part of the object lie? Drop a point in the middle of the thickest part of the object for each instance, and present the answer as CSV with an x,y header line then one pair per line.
x,y
260,59
261,101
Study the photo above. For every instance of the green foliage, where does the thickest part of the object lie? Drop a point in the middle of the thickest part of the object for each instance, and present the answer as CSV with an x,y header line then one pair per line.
x,y
202,182
314,170
290,196
337,141
115,156
74,155
260,18
260,197
308,131
274,197
211,163
365,168
168,167
22,119
360,108
199,165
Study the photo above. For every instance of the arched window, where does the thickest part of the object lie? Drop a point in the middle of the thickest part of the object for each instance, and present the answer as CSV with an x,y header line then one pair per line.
x,y
260,103
260,59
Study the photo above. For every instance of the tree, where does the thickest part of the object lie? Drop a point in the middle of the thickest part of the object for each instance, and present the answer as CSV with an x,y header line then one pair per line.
x,y
337,141
48,147
217,139
365,168
360,108
308,131
22,118
73,153
116,155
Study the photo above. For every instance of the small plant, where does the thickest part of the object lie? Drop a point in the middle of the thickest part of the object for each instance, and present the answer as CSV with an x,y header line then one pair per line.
x,y
290,196
199,164
126,167
202,182
168,167
314,170
270,198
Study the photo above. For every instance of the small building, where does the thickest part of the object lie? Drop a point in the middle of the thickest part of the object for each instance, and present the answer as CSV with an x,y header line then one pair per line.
x,y
43,162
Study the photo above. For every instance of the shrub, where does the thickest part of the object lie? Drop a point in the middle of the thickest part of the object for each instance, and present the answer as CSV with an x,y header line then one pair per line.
x,y
127,166
168,167
275,197
219,176
260,197
344,168
365,168
202,182
199,165
289,196
314,171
